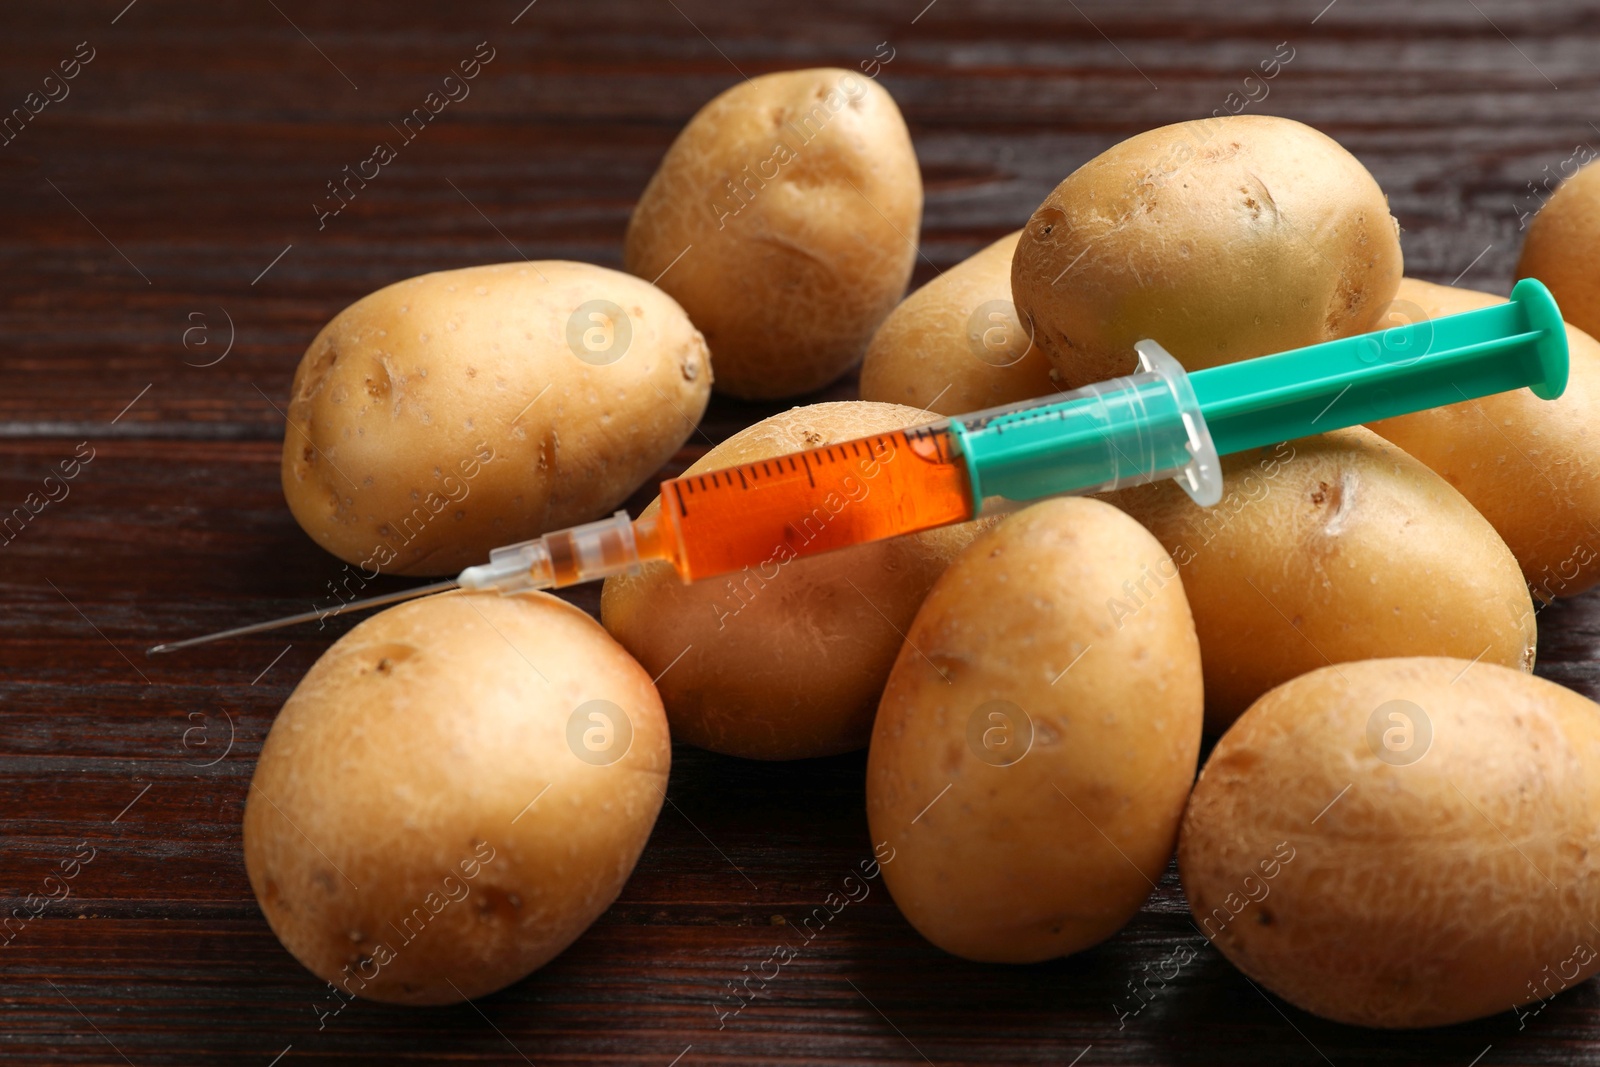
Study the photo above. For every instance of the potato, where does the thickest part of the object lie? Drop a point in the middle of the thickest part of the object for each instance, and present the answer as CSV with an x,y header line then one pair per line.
x,y
788,664
1561,244
452,794
1329,549
1065,737
1222,239
1402,842
956,345
1531,466
451,413
784,218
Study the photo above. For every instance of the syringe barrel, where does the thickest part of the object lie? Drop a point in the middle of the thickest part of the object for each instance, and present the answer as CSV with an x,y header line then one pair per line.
x,y
1140,428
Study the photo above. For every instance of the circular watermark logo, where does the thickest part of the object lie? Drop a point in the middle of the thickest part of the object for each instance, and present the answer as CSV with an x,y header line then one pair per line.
x,y
599,732
599,332
999,733
207,747
997,334
1399,732
1396,343
197,340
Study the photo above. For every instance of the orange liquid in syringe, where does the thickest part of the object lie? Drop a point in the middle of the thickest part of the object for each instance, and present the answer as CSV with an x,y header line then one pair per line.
x,y
763,514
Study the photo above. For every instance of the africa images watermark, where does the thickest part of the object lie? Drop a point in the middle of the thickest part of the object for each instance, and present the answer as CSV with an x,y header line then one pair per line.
x,y
811,925
402,533
54,489
35,904
739,192
53,90
1197,136
741,589
1540,190
1247,489
452,889
1253,890
454,89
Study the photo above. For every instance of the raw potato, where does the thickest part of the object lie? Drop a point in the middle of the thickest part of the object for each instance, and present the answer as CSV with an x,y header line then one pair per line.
x,y
391,833
1330,549
1222,239
1033,751
454,412
1402,842
1561,246
1531,466
788,666
956,345
784,218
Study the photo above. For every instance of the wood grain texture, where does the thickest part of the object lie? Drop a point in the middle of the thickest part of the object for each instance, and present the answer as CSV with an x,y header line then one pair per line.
x,y
188,156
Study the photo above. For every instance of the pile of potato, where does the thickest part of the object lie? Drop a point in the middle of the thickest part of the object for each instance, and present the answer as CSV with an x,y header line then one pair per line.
x,y
1394,827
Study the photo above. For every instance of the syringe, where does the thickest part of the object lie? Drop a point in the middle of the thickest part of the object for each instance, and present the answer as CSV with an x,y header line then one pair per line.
x,y
1159,422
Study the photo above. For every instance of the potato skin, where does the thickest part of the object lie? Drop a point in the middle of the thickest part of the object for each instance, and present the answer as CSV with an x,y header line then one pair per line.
x,y
405,764
1014,865
798,199
957,345
1334,548
1531,466
451,413
1439,882
1222,239
1559,249
793,667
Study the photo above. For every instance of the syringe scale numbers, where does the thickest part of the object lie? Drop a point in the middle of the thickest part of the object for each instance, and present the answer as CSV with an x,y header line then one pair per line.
x,y
766,512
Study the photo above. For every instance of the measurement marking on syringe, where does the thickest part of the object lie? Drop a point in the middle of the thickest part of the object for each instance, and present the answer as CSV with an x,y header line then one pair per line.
x,y
677,490
805,461
742,483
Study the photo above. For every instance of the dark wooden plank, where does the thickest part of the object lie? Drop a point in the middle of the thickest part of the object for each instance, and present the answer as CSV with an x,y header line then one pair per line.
x,y
174,965
189,111
187,157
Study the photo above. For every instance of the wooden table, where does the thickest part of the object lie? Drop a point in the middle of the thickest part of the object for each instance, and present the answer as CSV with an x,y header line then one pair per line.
x,y
161,271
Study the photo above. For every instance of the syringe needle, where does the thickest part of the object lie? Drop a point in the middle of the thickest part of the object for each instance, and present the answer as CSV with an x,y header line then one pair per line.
x,y
593,550
307,616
